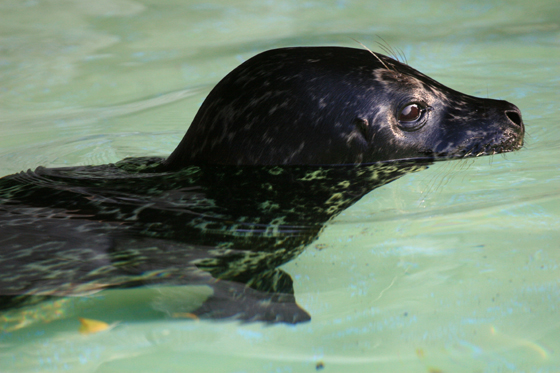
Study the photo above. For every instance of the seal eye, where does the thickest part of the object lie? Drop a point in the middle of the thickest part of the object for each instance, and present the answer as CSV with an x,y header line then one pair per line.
x,y
412,116
410,113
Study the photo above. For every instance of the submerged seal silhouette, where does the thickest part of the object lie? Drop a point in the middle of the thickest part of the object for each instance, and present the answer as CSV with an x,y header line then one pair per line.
x,y
335,105
282,144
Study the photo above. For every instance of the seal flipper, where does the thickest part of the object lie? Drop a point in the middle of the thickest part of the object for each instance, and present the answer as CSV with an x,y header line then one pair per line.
x,y
268,297
272,281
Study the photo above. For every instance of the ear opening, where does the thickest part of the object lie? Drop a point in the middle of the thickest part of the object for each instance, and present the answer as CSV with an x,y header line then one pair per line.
x,y
362,125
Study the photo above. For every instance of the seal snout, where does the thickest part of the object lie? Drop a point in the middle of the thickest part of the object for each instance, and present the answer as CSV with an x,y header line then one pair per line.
x,y
514,116
506,113
509,116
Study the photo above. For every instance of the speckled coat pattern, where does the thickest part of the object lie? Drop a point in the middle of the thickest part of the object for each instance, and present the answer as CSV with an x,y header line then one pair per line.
x,y
283,144
333,105
84,229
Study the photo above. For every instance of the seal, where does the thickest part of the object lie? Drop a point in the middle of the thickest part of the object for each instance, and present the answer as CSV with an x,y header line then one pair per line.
x,y
125,225
282,145
336,105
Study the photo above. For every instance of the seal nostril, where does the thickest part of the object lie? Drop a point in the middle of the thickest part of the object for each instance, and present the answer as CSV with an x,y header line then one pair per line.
x,y
514,117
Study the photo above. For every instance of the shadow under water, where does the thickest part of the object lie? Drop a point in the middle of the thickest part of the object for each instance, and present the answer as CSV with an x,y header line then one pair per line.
x,y
77,230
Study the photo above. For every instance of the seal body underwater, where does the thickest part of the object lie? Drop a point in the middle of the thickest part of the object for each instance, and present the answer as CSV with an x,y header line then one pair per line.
x,y
281,145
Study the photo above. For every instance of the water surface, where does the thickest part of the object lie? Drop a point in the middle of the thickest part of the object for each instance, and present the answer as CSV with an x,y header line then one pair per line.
x,y
451,269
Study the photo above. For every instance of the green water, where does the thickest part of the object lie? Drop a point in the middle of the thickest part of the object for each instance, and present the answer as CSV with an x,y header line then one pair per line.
x,y
453,269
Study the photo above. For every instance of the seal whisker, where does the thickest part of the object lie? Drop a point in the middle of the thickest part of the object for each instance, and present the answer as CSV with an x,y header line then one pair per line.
x,y
403,56
396,53
387,48
462,165
439,179
466,163
374,54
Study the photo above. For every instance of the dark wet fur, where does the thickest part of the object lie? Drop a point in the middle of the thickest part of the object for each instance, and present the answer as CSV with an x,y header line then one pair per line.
x,y
126,225
332,105
283,144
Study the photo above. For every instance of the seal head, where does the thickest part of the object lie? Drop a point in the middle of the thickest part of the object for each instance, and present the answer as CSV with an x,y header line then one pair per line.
x,y
335,105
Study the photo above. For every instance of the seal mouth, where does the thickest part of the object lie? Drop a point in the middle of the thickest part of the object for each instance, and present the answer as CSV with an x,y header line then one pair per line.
x,y
478,150
473,148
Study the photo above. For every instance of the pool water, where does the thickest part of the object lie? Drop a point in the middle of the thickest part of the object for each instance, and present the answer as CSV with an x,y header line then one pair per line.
x,y
452,269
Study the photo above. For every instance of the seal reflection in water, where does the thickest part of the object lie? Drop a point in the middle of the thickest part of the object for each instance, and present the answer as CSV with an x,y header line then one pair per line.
x,y
281,145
